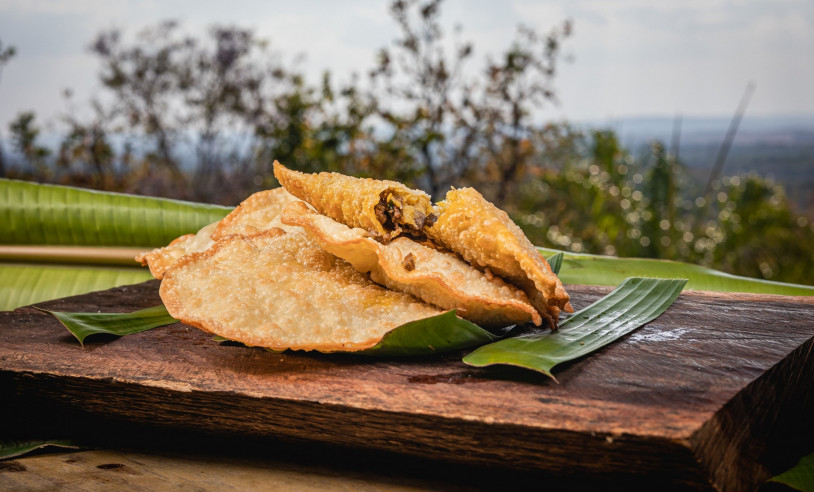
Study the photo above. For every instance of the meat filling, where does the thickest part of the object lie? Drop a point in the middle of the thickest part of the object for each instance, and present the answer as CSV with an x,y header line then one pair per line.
x,y
399,217
409,262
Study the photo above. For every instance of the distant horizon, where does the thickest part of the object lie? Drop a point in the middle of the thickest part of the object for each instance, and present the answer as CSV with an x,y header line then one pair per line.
x,y
800,121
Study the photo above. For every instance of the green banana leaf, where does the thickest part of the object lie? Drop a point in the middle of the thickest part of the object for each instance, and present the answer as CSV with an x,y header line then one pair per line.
x,y
39,214
82,325
555,262
33,213
589,269
800,476
635,302
437,334
13,449
23,284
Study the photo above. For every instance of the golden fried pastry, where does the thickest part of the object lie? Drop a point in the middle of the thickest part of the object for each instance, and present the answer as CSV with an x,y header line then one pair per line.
x,y
161,259
486,237
255,214
439,278
282,291
384,208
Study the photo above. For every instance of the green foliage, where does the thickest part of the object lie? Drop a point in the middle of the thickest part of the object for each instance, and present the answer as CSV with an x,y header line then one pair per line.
x,y
22,284
609,203
588,269
800,476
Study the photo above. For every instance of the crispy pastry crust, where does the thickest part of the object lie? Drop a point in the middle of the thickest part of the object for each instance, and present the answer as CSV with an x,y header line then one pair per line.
x,y
439,278
161,259
254,214
486,237
386,209
282,291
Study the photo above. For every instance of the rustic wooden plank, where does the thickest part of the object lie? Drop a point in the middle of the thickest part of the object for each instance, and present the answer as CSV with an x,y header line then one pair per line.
x,y
689,399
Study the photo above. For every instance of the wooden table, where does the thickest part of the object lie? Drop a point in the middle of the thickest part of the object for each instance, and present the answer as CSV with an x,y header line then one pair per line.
x,y
716,393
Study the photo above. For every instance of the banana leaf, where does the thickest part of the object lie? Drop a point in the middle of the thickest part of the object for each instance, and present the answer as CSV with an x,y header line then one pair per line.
x,y
82,325
437,334
800,476
13,449
33,213
634,303
555,262
23,284
589,269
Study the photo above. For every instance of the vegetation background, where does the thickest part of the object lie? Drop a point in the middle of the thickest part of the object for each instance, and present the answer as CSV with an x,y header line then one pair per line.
x,y
203,118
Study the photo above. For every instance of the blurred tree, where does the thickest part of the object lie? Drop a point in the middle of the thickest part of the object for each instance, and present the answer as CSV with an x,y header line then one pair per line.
x,y
660,193
144,79
516,86
200,106
422,93
24,136
455,126
6,54
86,154
756,233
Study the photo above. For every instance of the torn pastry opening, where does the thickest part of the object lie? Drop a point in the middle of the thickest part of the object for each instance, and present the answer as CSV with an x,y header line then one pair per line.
x,y
402,215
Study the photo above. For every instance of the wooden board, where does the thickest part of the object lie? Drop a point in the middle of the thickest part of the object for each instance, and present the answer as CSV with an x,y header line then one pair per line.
x,y
717,392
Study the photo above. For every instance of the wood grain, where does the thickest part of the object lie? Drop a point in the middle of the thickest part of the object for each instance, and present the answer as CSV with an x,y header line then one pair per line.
x,y
714,393
106,470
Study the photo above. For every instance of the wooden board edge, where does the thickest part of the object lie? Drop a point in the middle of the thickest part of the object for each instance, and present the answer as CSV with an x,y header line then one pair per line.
x,y
764,429
640,459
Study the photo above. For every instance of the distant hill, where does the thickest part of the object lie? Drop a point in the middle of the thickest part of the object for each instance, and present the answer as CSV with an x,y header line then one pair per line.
x,y
779,147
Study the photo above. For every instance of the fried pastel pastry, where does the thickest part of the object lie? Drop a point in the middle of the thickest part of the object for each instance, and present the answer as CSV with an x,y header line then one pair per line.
x,y
161,259
486,237
439,278
255,214
282,291
386,209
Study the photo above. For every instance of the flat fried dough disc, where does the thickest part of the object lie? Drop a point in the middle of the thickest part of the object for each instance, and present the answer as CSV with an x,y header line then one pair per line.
x,y
383,208
485,236
282,291
255,214
161,259
404,265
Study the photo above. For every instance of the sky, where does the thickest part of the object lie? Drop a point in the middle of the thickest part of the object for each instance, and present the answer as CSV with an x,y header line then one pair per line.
x,y
625,57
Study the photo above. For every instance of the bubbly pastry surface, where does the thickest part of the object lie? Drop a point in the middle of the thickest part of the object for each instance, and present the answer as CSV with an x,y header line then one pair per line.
x,y
486,237
439,278
254,214
386,209
282,291
162,259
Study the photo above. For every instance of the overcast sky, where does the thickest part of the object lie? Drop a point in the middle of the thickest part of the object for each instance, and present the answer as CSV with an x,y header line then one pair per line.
x,y
629,57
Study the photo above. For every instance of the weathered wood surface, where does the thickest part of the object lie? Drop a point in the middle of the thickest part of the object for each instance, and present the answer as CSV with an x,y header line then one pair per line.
x,y
122,471
717,392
